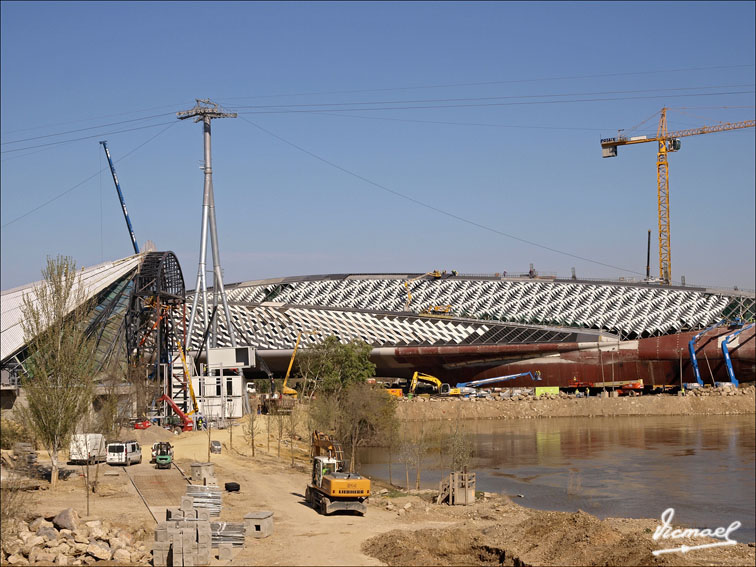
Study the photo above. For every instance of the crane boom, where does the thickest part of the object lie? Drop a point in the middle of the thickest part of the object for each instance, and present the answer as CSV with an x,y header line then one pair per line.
x,y
668,142
120,197
496,379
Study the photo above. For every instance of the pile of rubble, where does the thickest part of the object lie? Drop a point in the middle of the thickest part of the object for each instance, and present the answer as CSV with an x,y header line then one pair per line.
x,y
66,540
723,390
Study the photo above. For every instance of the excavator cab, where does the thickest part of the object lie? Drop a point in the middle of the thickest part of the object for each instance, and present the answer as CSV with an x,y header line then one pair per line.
x,y
323,466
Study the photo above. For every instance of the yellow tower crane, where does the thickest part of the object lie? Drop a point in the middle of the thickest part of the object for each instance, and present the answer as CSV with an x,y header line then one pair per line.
x,y
668,142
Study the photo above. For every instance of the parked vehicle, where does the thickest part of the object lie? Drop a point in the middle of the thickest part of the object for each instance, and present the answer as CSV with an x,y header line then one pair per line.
x,y
124,453
215,447
87,448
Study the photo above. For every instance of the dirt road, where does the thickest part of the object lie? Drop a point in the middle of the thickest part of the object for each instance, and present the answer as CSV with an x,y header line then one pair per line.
x,y
301,535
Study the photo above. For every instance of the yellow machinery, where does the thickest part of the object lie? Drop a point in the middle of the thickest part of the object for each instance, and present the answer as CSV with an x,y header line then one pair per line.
x,y
437,311
285,390
331,488
440,387
188,380
435,274
668,142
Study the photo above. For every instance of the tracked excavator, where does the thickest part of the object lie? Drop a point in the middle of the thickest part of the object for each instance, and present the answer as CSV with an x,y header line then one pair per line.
x,y
331,489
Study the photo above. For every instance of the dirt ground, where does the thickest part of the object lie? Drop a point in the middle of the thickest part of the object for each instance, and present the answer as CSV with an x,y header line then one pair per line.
x,y
399,529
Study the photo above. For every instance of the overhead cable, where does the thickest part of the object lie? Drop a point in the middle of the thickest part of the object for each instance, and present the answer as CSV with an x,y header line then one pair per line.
x,y
519,103
504,82
99,135
470,99
80,183
88,128
431,207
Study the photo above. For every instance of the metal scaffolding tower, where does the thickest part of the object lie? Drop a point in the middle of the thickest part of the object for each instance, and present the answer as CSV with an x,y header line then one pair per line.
x,y
205,111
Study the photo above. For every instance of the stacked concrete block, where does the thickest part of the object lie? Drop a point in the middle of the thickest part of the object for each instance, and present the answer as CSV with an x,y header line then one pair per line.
x,y
258,524
204,474
184,539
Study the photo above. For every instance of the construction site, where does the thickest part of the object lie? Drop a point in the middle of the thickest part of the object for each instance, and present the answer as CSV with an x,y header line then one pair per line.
x,y
184,483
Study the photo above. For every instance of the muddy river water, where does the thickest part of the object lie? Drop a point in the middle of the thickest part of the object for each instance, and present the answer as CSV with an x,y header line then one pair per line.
x,y
637,467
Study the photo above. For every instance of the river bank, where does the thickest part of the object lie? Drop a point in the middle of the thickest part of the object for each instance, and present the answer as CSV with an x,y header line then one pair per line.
x,y
719,401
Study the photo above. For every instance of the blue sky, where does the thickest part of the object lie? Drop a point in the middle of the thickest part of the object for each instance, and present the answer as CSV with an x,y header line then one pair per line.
x,y
379,137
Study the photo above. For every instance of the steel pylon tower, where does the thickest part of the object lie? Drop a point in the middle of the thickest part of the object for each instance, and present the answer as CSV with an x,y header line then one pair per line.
x,y
205,111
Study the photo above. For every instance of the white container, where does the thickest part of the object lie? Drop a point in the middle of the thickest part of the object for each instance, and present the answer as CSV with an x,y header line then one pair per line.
x,y
87,447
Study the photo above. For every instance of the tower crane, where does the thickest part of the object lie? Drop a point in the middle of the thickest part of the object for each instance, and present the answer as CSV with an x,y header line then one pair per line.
x,y
669,141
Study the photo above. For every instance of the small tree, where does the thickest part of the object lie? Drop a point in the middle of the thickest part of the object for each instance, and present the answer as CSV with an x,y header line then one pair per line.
x,y
250,428
60,364
460,447
145,388
292,422
280,426
337,365
364,414
420,447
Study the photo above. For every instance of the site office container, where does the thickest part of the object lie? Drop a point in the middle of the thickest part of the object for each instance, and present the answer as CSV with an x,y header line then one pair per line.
x,y
124,453
87,447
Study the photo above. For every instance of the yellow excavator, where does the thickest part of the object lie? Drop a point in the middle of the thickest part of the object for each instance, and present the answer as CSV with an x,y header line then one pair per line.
x,y
331,489
440,387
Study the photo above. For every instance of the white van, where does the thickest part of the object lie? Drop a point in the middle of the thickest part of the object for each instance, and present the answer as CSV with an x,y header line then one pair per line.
x,y
87,447
124,453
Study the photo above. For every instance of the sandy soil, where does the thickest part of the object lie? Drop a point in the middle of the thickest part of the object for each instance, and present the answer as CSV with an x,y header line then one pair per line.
x,y
494,531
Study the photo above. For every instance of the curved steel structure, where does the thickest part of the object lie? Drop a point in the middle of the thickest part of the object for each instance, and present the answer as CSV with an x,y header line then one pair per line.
x,y
157,303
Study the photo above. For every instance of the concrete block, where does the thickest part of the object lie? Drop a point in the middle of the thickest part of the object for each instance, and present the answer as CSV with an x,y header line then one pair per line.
x,y
172,514
187,504
225,552
160,559
203,515
258,524
204,540
163,546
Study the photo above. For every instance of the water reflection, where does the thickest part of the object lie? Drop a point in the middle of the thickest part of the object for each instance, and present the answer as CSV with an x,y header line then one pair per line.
x,y
703,466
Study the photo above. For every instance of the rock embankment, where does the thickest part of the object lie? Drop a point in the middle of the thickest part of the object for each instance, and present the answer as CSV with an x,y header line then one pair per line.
x,y
67,540
703,401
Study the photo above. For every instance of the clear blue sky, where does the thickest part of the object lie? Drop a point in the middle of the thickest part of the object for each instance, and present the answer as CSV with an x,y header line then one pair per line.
x,y
490,113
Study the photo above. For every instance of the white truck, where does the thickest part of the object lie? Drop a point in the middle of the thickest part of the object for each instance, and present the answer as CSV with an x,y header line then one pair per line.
x,y
87,447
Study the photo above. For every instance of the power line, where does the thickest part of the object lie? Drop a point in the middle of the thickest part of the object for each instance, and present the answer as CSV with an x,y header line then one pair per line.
x,y
84,138
470,99
431,207
88,128
509,81
89,118
519,103
449,123
80,183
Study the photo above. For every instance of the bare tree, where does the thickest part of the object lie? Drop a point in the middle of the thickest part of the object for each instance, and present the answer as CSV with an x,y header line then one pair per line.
x,y
60,364
280,426
420,447
292,422
250,428
145,389
460,447
15,500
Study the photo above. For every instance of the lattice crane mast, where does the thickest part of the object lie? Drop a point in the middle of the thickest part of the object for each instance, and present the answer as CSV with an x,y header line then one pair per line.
x,y
668,142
